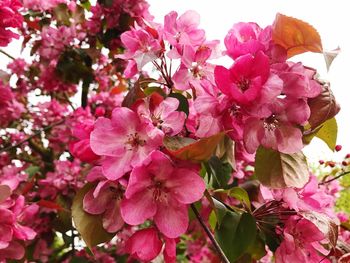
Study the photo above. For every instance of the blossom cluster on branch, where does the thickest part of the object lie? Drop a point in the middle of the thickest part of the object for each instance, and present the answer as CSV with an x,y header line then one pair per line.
x,y
122,131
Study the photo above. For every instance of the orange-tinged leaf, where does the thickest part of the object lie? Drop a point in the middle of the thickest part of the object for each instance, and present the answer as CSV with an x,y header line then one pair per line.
x,y
295,35
190,150
49,204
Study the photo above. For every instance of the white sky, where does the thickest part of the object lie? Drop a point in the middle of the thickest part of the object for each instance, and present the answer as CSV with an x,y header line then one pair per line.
x,y
330,18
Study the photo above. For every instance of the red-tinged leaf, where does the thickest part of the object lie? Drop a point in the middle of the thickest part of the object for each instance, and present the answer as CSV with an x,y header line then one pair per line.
x,y
295,35
27,187
325,224
323,107
134,94
191,150
89,226
5,192
49,204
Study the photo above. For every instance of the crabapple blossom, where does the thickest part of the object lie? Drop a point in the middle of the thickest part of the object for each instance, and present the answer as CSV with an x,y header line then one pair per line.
x,y
124,141
157,189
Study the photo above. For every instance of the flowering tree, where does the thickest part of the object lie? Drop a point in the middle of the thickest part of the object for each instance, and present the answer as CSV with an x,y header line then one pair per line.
x,y
121,131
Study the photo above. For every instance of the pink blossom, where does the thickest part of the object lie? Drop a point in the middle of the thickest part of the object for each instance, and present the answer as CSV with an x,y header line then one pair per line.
x,y
243,39
125,140
80,148
183,30
164,116
159,190
301,242
10,108
141,45
144,245
244,81
276,127
10,18
54,41
298,80
194,68
104,199
42,5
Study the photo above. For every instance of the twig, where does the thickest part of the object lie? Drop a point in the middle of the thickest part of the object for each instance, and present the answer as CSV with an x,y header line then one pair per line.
x,y
210,235
32,136
7,54
334,178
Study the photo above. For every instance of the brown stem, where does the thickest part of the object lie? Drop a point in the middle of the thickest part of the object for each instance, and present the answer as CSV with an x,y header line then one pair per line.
x,y
334,178
210,235
7,54
32,136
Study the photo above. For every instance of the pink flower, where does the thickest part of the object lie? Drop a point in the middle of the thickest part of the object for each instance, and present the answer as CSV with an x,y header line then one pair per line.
x,y
104,199
183,30
164,116
144,245
298,80
244,81
275,127
81,148
125,140
141,45
193,68
301,242
10,18
243,39
159,190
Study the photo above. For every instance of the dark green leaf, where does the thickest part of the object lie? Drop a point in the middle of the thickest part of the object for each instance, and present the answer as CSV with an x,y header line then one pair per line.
x,y
32,170
183,102
221,172
236,234
279,170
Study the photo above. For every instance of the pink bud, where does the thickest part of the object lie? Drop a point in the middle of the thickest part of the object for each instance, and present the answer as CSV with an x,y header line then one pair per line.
x,y
338,148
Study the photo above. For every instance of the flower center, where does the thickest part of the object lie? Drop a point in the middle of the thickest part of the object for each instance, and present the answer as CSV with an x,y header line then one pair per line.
x,y
271,123
134,140
159,191
243,84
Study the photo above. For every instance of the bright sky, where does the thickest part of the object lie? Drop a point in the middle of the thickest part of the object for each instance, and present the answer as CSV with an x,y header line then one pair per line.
x,y
330,18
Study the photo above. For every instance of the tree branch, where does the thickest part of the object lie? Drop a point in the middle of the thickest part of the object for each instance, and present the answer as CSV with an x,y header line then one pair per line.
x,y
334,178
7,54
32,136
210,235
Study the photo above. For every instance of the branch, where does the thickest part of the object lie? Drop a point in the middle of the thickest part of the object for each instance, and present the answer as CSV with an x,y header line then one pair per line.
x,y
334,178
210,235
32,136
7,54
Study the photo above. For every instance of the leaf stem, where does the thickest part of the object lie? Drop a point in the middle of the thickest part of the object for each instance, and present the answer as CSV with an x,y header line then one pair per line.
x,y
210,235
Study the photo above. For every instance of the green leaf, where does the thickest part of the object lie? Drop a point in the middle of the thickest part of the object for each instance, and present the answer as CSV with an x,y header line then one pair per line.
x,y
241,195
32,170
328,133
236,234
221,172
279,170
183,102
257,248
61,12
89,226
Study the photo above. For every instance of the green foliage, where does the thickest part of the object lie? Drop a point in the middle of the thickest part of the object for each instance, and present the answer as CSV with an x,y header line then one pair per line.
x,y
236,234
278,170
89,226
183,102
219,171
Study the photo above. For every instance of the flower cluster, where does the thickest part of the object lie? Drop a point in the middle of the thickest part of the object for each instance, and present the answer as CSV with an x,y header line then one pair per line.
x,y
129,128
